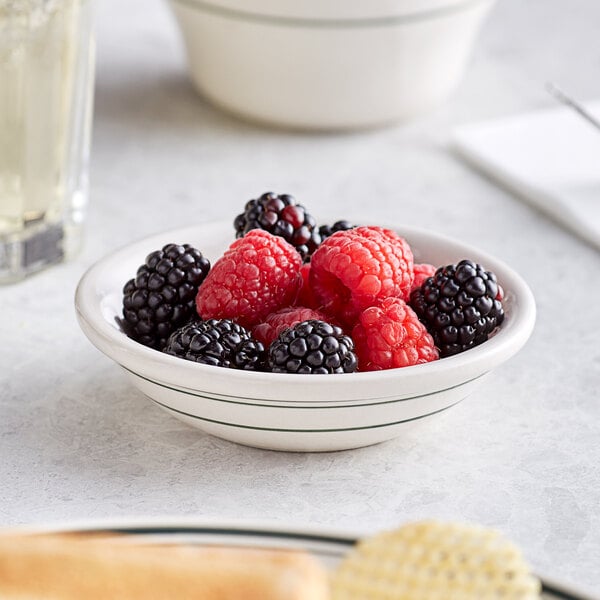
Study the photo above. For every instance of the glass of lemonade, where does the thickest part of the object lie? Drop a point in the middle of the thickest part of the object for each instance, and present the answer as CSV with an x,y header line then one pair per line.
x,y
46,91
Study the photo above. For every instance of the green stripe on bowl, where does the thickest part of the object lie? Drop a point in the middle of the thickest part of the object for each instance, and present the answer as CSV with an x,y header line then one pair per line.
x,y
251,402
233,532
281,430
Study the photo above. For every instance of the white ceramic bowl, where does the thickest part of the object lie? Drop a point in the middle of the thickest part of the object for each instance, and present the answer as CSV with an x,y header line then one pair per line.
x,y
328,64
297,412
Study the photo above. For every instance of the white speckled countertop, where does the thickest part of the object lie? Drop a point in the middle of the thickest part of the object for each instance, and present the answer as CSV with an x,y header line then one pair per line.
x,y
522,454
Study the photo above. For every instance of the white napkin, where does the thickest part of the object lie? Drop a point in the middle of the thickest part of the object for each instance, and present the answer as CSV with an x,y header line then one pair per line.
x,y
550,158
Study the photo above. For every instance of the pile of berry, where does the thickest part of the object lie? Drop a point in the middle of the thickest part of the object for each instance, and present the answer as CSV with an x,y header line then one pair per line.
x,y
291,297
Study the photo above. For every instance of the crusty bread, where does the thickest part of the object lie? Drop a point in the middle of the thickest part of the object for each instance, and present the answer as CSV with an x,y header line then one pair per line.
x,y
71,567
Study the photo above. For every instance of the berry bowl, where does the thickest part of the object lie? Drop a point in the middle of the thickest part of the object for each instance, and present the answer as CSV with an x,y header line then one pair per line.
x,y
305,413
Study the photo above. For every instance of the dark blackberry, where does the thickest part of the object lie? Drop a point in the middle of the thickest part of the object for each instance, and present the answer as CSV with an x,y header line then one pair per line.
x,y
161,296
280,215
217,342
326,230
313,347
460,306
250,355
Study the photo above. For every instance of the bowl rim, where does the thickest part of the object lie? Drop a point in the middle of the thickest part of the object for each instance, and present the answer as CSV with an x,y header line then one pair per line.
x,y
510,337
332,13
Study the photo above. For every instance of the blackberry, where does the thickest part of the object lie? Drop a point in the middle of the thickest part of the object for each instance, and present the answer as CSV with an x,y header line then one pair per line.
x,y
460,306
280,215
250,355
217,342
326,230
161,296
312,346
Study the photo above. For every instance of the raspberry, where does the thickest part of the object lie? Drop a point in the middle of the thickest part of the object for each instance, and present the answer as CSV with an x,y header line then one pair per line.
x,y
421,272
283,319
280,215
161,296
354,269
257,275
306,297
459,305
217,342
500,294
390,335
326,231
312,347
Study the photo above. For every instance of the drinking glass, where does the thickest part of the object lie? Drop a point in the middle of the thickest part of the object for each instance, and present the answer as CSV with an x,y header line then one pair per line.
x,y
46,91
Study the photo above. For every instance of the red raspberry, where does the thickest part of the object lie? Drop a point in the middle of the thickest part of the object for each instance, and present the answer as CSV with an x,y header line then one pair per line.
x,y
352,270
421,272
306,297
500,294
283,319
257,275
390,335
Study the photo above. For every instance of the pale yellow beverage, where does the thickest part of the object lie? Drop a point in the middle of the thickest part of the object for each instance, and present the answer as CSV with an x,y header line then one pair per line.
x,y
46,81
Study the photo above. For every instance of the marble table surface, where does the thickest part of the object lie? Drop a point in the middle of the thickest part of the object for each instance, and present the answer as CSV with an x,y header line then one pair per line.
x,y
522,454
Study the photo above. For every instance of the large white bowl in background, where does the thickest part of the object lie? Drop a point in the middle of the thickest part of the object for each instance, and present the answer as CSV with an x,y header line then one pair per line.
x,y
328,64
297,412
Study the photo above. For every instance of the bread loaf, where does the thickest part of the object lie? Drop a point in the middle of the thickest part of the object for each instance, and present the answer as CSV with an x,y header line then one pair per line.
x,y
77,567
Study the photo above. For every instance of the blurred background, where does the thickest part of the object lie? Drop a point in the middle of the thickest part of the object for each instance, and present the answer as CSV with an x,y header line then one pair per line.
x,y
157,143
